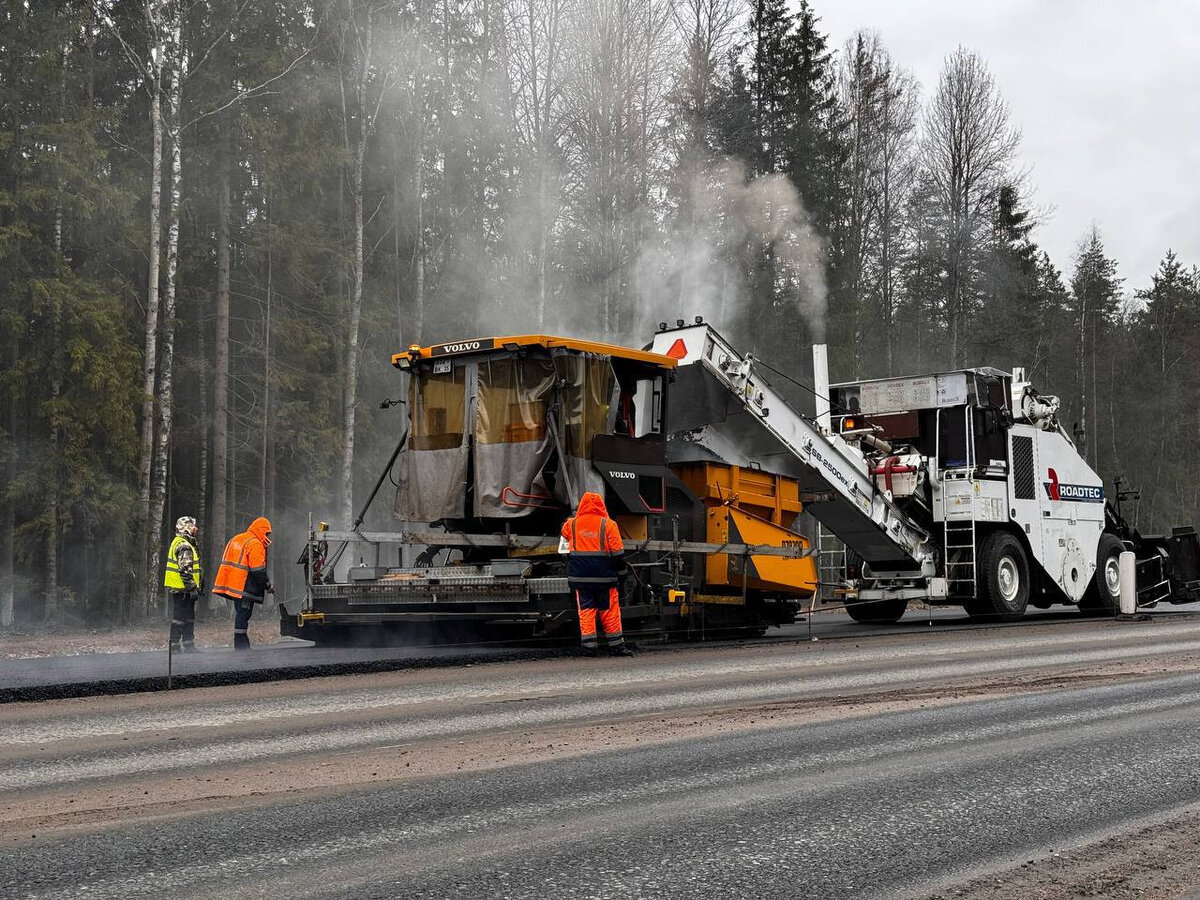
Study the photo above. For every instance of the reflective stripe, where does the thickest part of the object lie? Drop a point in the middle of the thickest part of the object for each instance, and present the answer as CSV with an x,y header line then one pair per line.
x,y
173,577
601,579
603,551
240,631
616,636
178,622
589,640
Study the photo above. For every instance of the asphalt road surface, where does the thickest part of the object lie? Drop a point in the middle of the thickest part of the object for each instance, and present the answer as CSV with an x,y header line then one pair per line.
x,y
50,677
887,766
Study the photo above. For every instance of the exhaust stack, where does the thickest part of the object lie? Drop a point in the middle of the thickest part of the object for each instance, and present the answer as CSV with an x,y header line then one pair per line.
x,y
821,386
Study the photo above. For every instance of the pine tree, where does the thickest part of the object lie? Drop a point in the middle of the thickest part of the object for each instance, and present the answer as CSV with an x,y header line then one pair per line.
x,y
70,382
1169,323
1096,293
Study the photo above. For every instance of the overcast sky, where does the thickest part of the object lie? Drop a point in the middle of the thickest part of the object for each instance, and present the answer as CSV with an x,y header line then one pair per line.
x,y
1107,97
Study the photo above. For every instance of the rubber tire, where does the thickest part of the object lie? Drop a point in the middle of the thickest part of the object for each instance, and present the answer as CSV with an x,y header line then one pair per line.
x,y
877,612
1001,562
1099,600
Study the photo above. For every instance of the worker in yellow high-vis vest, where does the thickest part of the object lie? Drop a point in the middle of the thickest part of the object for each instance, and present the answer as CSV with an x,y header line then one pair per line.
x,y
184,583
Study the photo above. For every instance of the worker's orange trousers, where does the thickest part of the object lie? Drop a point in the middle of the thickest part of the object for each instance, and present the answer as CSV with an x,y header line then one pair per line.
x,y
610,618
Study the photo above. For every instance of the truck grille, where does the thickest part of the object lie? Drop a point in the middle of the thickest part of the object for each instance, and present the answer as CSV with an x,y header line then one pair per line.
x,y
1024,485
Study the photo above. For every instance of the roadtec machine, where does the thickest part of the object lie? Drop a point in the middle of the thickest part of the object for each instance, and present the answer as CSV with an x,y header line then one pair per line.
x,y
957,488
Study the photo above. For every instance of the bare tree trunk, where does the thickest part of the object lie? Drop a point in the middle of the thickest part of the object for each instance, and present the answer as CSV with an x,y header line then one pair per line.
x,y
202,427
53,513
418,319
162,443
1081,375
1095,445
542,248
220,425
268,436
366,125
350,390
397,221
7,515
418,103
142,573
266,420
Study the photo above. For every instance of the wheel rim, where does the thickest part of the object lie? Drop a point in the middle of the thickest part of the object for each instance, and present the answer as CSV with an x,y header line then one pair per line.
x,y
1008,579
1112,576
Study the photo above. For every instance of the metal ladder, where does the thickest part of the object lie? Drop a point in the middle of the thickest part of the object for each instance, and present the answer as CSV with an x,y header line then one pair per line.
x,y
960,557
959,543
831,563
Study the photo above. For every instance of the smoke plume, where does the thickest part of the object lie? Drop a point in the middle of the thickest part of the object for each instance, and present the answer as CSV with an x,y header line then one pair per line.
x,y
696,265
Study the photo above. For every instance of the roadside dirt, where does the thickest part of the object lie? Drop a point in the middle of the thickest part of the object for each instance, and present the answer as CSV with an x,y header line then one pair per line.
x,y
1158,862
264,629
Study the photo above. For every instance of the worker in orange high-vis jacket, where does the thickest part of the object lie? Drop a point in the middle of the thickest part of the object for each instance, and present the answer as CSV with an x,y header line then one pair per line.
x,y
243,576
594,563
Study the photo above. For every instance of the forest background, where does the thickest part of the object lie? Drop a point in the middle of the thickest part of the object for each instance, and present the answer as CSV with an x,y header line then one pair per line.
x,y
219,218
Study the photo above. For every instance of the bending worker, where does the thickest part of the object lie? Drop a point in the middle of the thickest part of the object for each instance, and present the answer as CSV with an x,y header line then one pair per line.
x,y
243,576
595,560
183,582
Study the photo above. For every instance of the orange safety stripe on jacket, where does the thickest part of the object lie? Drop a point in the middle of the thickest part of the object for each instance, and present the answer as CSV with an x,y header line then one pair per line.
x,y
245,553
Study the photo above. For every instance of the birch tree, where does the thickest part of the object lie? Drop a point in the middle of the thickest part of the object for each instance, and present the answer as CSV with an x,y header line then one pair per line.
x,y
176,56
879,103
368,86
967,148
155,20
535,31
615,105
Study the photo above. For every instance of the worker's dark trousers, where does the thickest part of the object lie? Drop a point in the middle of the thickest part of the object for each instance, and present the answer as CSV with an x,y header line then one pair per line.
x,y
183,619
242,610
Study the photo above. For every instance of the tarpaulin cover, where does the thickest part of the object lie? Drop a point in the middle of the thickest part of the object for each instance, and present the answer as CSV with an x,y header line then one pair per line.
x,y
585,398
504,403
512,442
433,465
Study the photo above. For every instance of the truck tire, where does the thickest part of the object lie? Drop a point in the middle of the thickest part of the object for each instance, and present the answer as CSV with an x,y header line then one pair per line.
x,y
1103,597
886,611
1003,578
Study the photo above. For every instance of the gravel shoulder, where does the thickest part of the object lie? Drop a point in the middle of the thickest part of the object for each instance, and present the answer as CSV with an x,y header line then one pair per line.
x,y
215,632
1155,862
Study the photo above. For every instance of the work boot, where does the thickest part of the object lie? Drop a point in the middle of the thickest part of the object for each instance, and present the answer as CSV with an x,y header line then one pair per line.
x,y
591,652
187,648
621,651
175,648
241,642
